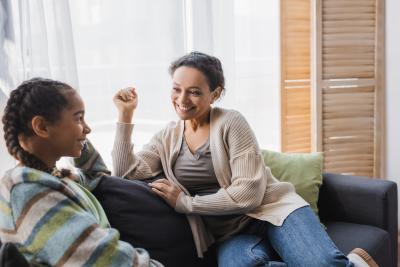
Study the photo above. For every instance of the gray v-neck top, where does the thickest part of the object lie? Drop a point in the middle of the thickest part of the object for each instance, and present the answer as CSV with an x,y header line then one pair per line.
x,y
195,171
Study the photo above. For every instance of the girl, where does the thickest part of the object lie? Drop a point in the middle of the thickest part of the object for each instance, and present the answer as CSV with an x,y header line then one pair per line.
x,y
53,220
214,169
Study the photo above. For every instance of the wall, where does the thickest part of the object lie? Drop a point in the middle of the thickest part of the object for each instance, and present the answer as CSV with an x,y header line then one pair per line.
x,y
393,91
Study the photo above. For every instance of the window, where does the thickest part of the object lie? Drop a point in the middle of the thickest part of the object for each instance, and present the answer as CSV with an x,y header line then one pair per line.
x,y
120,44
131,43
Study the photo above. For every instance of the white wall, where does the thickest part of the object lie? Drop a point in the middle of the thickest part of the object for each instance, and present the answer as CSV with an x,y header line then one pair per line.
x,y
393,91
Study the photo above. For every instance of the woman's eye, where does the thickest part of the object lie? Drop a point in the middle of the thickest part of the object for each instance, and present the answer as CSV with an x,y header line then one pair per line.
x,y
196,93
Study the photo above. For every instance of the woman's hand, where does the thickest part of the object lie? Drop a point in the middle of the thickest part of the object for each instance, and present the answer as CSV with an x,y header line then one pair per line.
x,y
126,101
166,190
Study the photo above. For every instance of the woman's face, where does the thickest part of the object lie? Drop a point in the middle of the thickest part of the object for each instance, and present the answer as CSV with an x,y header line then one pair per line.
x,y
191,95
68,134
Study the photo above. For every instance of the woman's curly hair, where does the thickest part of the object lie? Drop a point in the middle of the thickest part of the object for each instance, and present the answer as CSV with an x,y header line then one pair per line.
x,y
210,66
34,97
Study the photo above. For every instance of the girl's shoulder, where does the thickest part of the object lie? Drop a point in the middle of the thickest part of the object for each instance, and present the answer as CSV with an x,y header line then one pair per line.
x,y
25,175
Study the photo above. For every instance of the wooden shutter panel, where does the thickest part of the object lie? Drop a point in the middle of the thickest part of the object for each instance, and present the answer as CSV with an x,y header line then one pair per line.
x,y
350,87
295,76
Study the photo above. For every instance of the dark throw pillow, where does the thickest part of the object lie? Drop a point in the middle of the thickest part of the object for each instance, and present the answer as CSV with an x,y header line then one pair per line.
x,y
11,257
145,221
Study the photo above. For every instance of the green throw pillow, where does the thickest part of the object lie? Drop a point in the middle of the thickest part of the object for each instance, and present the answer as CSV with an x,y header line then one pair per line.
x,y
303,170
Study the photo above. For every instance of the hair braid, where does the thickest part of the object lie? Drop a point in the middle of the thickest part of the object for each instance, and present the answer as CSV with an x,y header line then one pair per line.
x,y
13,126
31,98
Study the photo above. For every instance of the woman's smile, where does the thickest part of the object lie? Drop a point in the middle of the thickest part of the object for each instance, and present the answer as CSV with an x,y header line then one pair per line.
x,y
191,95
184,108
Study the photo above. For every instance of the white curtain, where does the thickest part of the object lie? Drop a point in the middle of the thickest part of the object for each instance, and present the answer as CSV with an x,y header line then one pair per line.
x,y
124,43
7,49
101,46
131,43
244,34
6,79
35,41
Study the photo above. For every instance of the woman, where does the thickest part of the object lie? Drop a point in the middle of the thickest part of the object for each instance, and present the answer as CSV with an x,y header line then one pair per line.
x,y
50,215
215,174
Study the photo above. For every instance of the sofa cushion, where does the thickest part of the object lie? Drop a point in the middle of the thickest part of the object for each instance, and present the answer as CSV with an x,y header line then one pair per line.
x,y
374,240
144,220
11,257
303,170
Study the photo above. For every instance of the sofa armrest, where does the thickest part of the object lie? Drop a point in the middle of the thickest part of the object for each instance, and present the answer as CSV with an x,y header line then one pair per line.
x,y
358,200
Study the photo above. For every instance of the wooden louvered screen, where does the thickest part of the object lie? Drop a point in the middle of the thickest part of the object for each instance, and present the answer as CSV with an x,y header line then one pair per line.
x,y
350,87
295,76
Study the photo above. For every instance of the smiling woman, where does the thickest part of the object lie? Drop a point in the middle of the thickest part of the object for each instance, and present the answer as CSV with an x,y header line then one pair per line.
x,y
192,97
197,84
215,175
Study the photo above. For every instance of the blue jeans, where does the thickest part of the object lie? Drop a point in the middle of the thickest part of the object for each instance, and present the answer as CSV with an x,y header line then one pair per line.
x,y
300,241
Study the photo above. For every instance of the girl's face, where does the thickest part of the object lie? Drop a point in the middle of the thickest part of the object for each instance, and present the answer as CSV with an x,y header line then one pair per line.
x,y
67,136
191,95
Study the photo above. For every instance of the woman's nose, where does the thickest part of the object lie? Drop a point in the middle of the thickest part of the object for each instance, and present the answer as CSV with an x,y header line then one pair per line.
x,y
182,98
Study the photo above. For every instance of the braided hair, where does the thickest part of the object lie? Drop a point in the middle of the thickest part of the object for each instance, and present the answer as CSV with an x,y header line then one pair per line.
x,y
34,97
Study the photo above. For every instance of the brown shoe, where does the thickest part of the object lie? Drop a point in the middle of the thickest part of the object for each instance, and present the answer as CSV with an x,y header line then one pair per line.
x,y
365,256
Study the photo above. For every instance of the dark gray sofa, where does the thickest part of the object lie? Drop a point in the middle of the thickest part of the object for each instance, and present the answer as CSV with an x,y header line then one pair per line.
x,y
361,212
357,211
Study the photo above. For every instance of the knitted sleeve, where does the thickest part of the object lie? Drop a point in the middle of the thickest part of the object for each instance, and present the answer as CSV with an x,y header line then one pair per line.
x,y
248,181
126,163
53,227
90,166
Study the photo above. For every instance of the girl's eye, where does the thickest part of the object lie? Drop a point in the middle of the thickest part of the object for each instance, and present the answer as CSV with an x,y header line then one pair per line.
x,y
79,118
196,93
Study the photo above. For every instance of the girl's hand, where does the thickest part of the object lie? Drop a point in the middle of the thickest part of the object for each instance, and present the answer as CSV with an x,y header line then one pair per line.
x,y
166,190
126,101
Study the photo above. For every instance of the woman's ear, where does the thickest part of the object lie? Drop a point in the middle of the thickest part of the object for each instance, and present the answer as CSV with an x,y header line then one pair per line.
x,y
216,94
40,126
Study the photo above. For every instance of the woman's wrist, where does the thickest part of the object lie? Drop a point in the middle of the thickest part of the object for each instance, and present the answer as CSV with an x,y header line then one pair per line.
x,y
125,116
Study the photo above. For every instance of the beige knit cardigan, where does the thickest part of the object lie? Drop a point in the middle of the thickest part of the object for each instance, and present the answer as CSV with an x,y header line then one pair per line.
x,y
247,185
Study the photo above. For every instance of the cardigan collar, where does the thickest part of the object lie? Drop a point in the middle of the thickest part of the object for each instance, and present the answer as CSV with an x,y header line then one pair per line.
x,y
179,131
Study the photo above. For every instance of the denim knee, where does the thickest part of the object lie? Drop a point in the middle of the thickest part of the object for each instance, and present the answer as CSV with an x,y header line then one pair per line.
x,y
332,258
242,250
